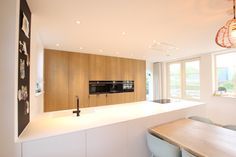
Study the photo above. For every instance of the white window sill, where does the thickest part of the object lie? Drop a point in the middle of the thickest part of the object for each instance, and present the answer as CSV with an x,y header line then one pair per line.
x,y
225,96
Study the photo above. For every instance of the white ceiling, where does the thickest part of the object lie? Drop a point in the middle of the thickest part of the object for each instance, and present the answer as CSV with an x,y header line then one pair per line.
x,y
155,30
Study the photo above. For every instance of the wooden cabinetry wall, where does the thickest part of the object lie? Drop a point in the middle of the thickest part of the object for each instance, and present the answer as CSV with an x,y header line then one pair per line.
x,y
67,75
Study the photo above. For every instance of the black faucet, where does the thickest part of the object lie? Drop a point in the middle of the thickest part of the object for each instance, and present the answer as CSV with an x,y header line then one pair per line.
x,y
77,104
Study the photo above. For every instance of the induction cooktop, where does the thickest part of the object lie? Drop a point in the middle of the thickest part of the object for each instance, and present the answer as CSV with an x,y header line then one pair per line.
x,y
162,101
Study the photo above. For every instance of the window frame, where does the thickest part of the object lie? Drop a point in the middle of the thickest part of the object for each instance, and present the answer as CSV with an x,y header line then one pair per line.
x,y
215,88
183,94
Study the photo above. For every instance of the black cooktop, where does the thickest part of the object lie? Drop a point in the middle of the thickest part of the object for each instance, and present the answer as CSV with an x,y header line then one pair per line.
x,y
162,101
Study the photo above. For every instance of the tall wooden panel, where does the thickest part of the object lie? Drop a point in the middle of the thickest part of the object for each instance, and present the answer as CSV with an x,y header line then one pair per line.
x,y
78,79
97,67
56,80
127,68
113,68
140,80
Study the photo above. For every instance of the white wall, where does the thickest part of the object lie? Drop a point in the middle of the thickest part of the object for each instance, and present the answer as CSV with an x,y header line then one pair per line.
x,y
222,110
9,13
36,70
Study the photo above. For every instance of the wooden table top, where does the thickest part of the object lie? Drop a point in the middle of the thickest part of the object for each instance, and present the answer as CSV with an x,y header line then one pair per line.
x,y
201,139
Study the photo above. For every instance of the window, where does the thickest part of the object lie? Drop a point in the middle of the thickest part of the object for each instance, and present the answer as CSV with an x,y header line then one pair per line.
x,y
175,80
184,79
192,79
226,74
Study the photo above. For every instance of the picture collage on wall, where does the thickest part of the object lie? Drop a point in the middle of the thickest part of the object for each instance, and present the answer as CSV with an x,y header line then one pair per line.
x,y
23,94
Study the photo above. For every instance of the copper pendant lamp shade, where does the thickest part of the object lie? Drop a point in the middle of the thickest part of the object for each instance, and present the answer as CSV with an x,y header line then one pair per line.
x,y
226,35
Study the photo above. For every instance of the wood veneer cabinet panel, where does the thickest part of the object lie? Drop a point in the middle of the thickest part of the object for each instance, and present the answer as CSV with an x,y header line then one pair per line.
x,y
78,79
115,98
56,80
127,69
113,68
67,75
128,97
97,67
97,100
140,80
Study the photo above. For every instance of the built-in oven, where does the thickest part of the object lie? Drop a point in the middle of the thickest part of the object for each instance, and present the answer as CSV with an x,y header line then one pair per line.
x,y
115,87
97,87
128,86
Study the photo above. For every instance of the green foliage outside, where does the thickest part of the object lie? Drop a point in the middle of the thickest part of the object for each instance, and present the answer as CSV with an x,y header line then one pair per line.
x,y
230,85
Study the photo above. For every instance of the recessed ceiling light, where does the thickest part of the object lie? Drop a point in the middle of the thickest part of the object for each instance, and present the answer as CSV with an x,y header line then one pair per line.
x,y
78,22
80,48
100,50
154,41
57,45
123,33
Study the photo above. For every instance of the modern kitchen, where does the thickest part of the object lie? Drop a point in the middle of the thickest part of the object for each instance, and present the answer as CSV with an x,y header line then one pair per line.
x,y
118,78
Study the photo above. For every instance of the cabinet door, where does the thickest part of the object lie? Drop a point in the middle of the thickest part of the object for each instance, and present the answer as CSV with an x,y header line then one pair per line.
x,y
127,69
71,145
128,97
117,98
140,80
97,100
113,69
97,67
78,79
107,141
56,80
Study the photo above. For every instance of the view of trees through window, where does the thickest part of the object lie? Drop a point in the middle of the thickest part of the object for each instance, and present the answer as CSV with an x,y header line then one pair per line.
x,y
192,79
175,79
184,79
226,73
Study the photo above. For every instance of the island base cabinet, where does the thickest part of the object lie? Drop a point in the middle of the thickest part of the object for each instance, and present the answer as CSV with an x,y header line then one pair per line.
x,y
108,141
70,145
120,139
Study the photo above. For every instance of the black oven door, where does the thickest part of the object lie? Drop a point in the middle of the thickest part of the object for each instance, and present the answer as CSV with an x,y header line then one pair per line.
x,y
115,87
97,87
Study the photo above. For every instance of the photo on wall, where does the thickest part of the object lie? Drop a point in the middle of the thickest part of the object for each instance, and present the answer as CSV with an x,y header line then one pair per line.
x,y
25,25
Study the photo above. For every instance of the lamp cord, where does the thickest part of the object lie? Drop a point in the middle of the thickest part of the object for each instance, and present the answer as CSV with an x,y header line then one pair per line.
x,y
234,8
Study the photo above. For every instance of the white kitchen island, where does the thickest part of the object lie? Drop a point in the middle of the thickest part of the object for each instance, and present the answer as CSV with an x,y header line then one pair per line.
x,y
107,131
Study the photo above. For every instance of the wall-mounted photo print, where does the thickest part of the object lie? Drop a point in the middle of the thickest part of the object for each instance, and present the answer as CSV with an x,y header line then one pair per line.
x,y
28,61
22,93
22,69
25,26
26,111
23,48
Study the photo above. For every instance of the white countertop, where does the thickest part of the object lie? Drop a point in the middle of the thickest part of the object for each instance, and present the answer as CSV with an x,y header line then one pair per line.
x,y
62,122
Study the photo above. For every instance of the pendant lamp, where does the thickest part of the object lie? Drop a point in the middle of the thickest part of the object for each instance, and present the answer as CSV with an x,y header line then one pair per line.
x,y
226,35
